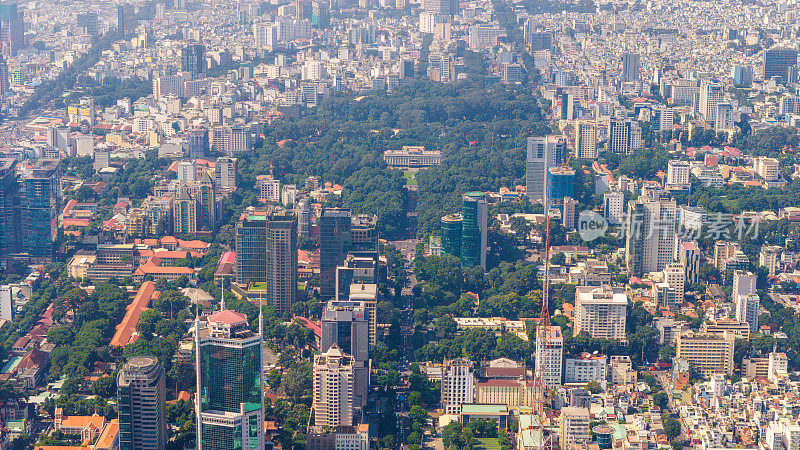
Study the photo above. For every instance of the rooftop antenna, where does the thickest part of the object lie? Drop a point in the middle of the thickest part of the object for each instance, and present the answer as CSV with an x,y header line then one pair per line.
x,y
222,298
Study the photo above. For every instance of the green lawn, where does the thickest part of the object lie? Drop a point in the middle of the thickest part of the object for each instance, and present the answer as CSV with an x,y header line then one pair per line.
x,y
487,444
411,178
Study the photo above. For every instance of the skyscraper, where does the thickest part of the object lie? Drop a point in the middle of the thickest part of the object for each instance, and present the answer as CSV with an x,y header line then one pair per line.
x,y
711,94
229,407
585,139
601,311
251,249
346,324
474,230
333,388
630,67
225,173
778,62
334,243
141,400
5,82
560,184
87,23
12,28
624,136
451,234
10,233
747,309
193,59
544,152
198,143
650,240
126,21
40,207
282,260
451,7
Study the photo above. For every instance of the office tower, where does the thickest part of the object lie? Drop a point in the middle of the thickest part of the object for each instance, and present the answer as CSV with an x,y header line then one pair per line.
x,y
630,67
612,207
451,7
564,106
193,60
724,120
303,217
711,94
650,240
230,407
474,230
742,76
184,213
12,28
662,119
334,380
624,136
544,152
320,14
675,279
10,232
102,158
440,67
359,269
346,325
251,249
40,208
677,175
778,62
458,385
708,353
406,68
601,311
198,143
141,401
550,355
269,188
724,250
744,283
747,309
225,173
585,140
770,257
363,236
689,258
126,25
574,426
540,40
451,226
281,274
205,193
88,24
334,243
560,184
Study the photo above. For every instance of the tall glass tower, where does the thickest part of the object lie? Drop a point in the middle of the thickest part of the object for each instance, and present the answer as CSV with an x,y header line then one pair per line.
x,y
229,377
475,214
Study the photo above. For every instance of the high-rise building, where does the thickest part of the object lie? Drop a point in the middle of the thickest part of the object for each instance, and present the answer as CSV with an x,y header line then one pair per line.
x,y
10,232
281,274
601,311
560,184
334,243
12,29
334,380
5,82
662,119
141,401
198,143
303,217
574,427
624,136
363,235
549,355
544,152
778,62
650,240
225,173
767,168
458,385
193,60
689,258
474,230
770,257
744,283
126,25
88,23
251,249
40,208
725,119
742,76
451,7
406,68
451,226
613,206
711,95
346,324
675,278
724,250
586,140
568,213
708,353
630,67
677,175
230,407
747,308
184,213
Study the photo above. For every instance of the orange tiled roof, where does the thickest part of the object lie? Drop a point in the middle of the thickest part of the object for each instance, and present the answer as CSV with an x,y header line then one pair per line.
x,y
109,435
124,334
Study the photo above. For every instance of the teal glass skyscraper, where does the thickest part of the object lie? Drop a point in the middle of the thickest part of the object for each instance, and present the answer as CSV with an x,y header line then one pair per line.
x,y
475,214
229,379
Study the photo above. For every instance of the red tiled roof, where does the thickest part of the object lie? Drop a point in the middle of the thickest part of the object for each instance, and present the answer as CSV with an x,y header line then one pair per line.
x,y
227,316
124,334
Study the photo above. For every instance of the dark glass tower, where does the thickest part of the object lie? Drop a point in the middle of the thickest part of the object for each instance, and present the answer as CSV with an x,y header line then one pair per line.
x,y
334,243
40,208
141,397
